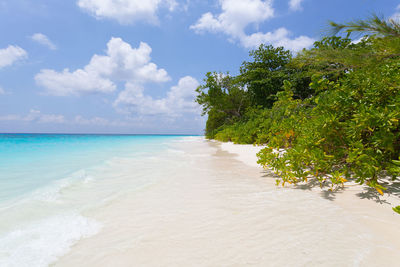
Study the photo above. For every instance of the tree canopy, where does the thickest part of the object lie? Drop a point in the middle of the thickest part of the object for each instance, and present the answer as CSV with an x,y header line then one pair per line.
x,y
330,114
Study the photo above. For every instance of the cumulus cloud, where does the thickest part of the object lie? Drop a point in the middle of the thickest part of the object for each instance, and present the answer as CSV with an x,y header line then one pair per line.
x,y
238,15
126,11
43,40
35,116
121,63
295,5
73,83
130,66
11,54
179,99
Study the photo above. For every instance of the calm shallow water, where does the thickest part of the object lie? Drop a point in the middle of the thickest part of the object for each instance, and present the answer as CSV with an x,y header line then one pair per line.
x,y
38,172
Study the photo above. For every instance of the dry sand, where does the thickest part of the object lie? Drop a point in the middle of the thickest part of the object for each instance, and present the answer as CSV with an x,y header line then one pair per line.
x,y
370,209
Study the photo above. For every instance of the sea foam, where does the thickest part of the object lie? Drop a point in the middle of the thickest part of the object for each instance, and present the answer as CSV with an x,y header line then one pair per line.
x,y
40,243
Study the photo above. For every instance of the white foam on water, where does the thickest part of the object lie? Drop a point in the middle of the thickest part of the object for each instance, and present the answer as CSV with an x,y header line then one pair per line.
x,y
175,151
40,243
51,192
88,179
188,139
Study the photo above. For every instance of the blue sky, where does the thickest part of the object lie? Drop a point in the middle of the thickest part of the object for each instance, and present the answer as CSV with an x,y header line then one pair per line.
x,y
131,66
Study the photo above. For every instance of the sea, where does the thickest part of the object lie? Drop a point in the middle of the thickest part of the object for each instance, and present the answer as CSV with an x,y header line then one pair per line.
x,y
47,185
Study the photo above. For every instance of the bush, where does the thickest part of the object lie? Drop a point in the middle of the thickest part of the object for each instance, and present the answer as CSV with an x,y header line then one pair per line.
x,y
350,129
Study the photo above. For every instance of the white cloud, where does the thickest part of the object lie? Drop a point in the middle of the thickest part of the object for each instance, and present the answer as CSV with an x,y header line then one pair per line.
x,y
10,117
51,118
358,40
35,116
126,11
11,54
279,37
396,15
43,40
238,15
2,92
93,121
73,83
121,63
295,5
98,121
131,66
179,99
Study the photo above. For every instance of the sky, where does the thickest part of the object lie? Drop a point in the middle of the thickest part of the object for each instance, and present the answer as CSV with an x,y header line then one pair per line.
x,y
132,66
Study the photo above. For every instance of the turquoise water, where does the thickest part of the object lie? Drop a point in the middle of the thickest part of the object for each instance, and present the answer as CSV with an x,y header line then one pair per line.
x,y
50,184
31,161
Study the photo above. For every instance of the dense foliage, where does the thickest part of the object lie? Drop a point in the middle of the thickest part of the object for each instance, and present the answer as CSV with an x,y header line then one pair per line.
x,y
329,114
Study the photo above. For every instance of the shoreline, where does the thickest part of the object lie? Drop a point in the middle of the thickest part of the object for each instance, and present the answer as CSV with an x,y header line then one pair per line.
x,y
215,207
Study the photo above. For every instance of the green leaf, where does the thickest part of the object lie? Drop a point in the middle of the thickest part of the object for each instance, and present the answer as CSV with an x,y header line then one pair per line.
x,y
397,209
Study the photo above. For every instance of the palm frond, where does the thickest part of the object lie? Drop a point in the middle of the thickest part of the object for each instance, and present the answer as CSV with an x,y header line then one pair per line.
x,y
374,25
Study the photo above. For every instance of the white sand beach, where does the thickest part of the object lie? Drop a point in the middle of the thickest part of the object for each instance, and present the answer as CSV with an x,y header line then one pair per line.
x,y
215,207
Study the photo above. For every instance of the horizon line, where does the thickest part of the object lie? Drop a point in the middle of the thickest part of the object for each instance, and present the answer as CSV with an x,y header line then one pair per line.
x,y
180,134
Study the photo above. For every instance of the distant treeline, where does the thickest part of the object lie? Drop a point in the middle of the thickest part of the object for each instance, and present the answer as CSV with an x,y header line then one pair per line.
x,y
330,113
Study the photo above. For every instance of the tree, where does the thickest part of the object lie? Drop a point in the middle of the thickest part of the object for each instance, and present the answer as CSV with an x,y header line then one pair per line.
x,y
263,77
222,99
332,57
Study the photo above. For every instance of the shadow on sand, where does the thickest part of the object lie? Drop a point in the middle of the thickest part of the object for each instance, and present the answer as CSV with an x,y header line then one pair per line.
x,y
393,189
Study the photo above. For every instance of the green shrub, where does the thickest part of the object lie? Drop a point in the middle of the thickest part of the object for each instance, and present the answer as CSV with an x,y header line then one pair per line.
x,y
350,129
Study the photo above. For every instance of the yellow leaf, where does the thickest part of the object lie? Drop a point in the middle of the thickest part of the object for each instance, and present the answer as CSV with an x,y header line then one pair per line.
x,y
379,191
320,141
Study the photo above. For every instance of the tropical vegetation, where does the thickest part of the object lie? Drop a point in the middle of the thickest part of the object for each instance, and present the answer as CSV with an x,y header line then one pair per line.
x,y
329,114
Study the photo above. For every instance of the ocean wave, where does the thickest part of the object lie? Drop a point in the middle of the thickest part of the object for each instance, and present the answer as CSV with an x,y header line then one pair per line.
x,y
41,243
51,192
